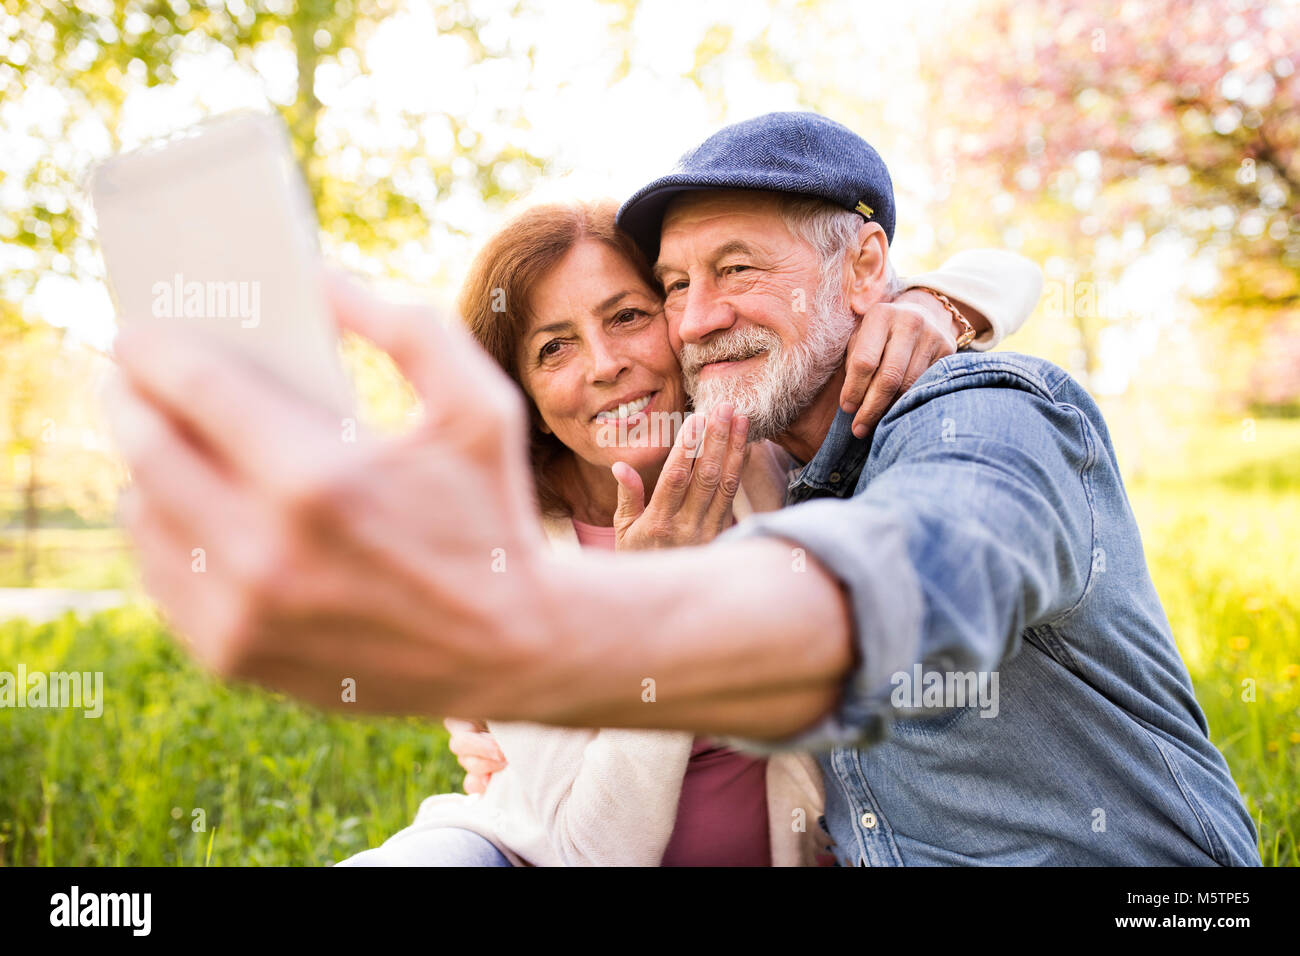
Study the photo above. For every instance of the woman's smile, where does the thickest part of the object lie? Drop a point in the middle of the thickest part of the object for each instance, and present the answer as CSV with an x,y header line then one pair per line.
x,y
625,408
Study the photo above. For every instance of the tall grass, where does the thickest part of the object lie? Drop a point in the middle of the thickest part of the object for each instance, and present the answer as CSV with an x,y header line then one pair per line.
x,y
1221,527
275,783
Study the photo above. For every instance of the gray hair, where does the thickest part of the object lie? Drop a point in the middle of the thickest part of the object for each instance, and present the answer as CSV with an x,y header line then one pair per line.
x,y
832,230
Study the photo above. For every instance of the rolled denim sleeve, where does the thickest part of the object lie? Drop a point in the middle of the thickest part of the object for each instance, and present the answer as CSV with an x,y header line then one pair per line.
x,y
971,521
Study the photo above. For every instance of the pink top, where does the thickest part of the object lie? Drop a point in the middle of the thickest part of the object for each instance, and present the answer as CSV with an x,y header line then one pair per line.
x,y
722,812
594,535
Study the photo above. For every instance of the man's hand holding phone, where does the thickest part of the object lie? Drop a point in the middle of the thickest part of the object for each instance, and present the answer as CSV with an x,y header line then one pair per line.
x,y
327,559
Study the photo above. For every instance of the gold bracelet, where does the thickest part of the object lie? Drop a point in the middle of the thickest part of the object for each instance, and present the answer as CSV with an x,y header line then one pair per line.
x,y
967,330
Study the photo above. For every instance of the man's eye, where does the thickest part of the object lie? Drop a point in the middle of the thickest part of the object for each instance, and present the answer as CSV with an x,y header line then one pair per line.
x,y
676,285
733,269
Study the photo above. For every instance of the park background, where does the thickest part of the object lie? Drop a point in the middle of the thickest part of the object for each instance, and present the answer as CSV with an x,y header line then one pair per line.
x,y
1144,152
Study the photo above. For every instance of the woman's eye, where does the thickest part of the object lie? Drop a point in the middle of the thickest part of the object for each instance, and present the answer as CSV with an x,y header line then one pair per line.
x,y
550,349
628,315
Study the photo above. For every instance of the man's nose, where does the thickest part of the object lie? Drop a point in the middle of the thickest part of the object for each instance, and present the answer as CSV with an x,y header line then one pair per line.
x,y
703,313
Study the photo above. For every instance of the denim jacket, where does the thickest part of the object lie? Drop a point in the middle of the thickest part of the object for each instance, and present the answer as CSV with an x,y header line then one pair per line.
x,y
983,534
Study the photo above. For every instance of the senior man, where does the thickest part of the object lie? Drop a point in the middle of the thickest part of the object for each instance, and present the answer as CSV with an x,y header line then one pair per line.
x,y
979,539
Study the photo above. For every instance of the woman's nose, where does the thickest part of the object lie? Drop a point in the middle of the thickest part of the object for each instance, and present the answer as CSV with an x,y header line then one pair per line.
x,y
607,362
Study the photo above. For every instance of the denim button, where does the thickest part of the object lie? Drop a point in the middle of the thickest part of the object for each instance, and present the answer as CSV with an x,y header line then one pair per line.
x,y
869,820
835,477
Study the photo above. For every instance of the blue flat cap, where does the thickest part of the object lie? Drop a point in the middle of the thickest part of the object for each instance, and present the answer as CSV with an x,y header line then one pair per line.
x,y
800,153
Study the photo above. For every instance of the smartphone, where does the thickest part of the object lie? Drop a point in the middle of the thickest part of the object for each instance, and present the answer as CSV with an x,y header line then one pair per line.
x,y
215,228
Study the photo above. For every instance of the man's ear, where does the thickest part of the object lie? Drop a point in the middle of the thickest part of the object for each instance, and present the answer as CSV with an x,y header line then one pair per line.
x,y
867,276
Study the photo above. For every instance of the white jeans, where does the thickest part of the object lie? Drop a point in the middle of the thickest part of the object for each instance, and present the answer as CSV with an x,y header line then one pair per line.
x,y
438,846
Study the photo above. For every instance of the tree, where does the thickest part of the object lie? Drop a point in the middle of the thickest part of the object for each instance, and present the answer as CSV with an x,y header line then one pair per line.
x,y
67,73
54,457
1127,120
91,55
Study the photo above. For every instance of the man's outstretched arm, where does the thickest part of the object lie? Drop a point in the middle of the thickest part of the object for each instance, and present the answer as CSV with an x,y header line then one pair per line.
x,y
751,638
410,574
413,570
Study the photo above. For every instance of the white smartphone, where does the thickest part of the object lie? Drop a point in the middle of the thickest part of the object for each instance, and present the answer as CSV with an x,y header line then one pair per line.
x,y
216,228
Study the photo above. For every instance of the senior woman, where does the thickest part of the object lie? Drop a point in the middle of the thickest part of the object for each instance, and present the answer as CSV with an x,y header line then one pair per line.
x,y
568,306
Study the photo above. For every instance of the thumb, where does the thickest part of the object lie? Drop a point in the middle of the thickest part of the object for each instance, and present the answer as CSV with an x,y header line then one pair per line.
x,y
631,495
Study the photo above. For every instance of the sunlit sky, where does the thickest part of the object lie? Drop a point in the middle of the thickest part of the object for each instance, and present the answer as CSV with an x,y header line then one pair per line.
x,y
605,138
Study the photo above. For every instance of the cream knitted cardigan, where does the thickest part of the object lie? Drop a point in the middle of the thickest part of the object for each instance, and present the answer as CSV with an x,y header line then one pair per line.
x,y
608,797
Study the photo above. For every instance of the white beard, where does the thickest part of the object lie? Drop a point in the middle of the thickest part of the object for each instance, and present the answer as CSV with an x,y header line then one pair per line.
x,y
774,395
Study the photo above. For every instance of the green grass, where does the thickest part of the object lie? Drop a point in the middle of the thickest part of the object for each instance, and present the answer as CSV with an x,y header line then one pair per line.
x,y
1221,527
282,784
277,783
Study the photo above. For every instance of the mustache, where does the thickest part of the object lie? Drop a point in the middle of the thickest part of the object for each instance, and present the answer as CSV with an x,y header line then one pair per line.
x,y
730,347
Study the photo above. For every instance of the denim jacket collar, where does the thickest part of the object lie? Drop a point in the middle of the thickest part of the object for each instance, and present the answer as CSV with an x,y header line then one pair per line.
x,y
835,468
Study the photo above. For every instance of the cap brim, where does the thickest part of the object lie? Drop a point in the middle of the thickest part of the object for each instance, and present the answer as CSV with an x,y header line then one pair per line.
x,y
642,216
